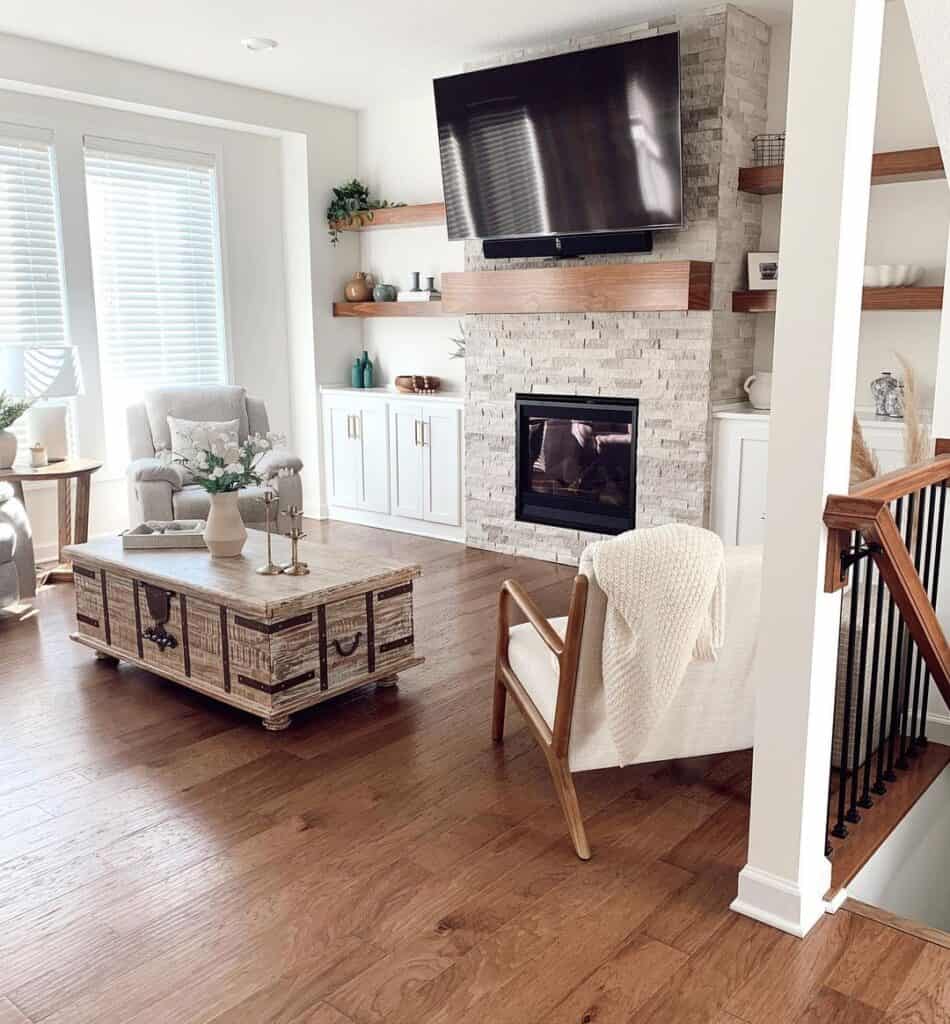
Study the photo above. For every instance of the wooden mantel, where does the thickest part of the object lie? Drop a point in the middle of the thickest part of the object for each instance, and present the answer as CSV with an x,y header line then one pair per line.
x,y
624,287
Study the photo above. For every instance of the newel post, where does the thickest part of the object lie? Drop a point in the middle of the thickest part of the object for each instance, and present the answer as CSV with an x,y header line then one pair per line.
x,y
832,100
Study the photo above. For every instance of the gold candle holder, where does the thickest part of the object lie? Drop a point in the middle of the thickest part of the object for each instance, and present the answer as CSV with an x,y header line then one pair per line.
x,y
295,567
269,569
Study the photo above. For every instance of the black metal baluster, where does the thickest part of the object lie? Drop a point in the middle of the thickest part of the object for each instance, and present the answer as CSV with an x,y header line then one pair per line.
x,y
925,580
865,800
840,830
934,590
902,762
887,734
859,712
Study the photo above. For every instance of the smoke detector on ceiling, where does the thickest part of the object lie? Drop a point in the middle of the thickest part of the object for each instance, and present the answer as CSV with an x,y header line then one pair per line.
x,y
257,44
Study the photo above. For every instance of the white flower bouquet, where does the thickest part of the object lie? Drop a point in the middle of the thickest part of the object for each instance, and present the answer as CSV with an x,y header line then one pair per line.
x,y
219,463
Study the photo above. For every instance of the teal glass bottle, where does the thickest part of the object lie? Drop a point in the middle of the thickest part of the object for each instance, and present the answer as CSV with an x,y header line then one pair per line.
x,y
368,372
356,374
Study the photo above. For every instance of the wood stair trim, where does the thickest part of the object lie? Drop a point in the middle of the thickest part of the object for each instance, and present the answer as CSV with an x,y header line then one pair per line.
x,y
672,286
916,299
419,215
924,164
877,823
378,309
907,925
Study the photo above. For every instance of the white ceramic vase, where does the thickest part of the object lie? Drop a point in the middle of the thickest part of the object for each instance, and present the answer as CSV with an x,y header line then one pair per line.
x,y
7,448
759,389
224,533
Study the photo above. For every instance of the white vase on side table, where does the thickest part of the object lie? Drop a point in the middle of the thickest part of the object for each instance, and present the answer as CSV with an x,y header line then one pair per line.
x,y
8,446
225,534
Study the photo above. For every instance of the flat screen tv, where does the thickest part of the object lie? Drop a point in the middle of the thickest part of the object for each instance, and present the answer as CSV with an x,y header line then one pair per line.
x,y
585,142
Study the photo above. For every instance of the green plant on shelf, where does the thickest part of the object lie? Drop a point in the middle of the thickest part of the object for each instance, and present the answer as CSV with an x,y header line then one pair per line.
x,y
351,205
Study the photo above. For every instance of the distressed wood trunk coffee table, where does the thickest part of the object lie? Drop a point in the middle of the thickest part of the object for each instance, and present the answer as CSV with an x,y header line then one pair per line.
x,y
271,645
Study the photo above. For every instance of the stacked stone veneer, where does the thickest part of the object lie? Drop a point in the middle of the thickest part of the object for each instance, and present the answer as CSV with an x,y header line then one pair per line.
x,y
677,364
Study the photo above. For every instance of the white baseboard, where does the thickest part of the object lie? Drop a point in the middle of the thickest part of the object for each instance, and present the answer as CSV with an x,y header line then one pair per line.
x,y
938,728
777,902
399,524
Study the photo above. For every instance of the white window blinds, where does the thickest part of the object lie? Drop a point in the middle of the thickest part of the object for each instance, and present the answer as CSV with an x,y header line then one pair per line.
x,y
156,254
32,307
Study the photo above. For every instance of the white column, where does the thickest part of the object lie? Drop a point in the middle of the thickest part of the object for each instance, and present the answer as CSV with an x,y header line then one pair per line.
x,y
930,26
832,100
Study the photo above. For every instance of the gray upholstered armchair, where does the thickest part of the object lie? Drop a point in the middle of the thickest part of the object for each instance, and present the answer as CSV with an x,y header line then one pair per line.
x,y
164,492
17,569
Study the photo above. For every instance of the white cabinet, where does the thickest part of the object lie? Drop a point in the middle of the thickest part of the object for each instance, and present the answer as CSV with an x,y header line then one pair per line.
x,y
426,462
357,446
394,461
442,465
740,469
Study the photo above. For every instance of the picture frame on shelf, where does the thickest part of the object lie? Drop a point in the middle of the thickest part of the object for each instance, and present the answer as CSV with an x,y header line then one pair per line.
x,y
763,271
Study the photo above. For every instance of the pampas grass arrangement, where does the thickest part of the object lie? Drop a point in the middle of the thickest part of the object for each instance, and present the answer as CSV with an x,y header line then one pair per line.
x,y
916,434
864,464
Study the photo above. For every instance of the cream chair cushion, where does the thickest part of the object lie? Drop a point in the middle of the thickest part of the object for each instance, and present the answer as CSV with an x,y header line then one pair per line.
x,y
713,710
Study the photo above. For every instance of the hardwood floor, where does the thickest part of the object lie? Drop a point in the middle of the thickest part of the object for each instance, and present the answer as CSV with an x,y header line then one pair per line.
x,y
164,859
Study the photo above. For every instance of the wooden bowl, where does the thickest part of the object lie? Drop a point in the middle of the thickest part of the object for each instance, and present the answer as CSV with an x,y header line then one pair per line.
x,y
418,384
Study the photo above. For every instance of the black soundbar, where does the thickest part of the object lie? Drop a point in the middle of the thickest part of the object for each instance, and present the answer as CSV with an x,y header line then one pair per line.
x,y
564,246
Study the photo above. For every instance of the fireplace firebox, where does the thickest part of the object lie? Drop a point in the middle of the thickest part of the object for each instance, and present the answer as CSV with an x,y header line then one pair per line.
x,y
576,462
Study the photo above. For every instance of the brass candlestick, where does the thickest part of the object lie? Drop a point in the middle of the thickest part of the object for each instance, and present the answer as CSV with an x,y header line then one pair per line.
x,y
269,569
295,567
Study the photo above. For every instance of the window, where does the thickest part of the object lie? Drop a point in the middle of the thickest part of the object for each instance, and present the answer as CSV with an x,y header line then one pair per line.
x,y
32,305
156,257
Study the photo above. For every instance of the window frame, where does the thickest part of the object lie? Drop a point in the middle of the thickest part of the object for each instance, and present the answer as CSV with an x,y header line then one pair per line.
x,y
163,150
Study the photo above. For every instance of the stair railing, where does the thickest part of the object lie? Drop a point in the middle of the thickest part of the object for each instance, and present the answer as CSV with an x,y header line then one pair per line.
x,y
886,538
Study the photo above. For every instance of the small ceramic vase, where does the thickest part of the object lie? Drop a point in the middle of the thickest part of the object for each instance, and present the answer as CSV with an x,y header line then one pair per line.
x,y
358,288
224,532
881,388
384,293
356,373
414,281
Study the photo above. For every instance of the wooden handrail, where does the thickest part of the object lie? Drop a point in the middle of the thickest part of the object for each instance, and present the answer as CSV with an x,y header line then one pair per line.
x,y
866,510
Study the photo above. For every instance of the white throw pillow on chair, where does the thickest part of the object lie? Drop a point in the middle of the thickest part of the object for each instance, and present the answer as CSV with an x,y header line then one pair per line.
x,y
190,435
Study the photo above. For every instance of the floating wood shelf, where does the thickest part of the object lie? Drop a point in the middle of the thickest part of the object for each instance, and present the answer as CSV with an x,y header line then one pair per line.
x,y
421,215
627,287
900,165
368,309
925,298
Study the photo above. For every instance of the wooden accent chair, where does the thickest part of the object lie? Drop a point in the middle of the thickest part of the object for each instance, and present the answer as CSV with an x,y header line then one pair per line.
x,y
551,669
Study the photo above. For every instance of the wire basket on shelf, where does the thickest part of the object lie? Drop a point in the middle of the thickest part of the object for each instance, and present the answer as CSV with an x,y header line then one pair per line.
x,y
768,149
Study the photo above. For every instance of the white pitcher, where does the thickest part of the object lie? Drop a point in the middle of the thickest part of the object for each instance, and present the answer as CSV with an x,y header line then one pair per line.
x,y
759,389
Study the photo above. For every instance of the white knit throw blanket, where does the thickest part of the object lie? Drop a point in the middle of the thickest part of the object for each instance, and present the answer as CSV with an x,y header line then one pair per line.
x,y
665,589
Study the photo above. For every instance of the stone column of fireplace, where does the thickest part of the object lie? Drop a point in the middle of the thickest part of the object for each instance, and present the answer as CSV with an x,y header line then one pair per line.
x,y
677,364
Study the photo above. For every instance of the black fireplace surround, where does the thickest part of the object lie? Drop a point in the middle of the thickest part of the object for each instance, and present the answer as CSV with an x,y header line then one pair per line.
x,y
576,462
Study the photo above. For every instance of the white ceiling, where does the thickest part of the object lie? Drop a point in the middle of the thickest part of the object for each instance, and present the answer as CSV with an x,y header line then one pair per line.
x,y
350,53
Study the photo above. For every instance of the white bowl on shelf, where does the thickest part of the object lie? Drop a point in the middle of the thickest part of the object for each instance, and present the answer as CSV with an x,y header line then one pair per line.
x,y
892,275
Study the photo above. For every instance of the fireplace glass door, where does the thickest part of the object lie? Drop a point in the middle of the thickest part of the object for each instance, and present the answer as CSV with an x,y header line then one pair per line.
x,y
576,462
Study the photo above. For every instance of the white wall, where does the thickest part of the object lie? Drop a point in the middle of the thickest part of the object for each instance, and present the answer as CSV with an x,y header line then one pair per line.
x,y
288,153
908,221
908,874
398,157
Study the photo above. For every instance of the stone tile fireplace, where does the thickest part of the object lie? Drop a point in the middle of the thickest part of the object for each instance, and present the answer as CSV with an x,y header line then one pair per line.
x,y
576,462
674,364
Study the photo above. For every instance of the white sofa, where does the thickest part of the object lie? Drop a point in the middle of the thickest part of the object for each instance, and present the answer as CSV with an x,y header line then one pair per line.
x,y
164,492
17,569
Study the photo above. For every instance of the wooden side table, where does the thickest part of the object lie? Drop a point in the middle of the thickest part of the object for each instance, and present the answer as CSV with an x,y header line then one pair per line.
x,y
73,529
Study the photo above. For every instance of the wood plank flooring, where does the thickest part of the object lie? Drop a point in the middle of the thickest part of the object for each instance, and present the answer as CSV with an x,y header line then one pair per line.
x,y
164,859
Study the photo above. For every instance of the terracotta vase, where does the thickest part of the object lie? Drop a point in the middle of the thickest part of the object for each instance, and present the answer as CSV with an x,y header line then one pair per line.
x,y
358,288
224,533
